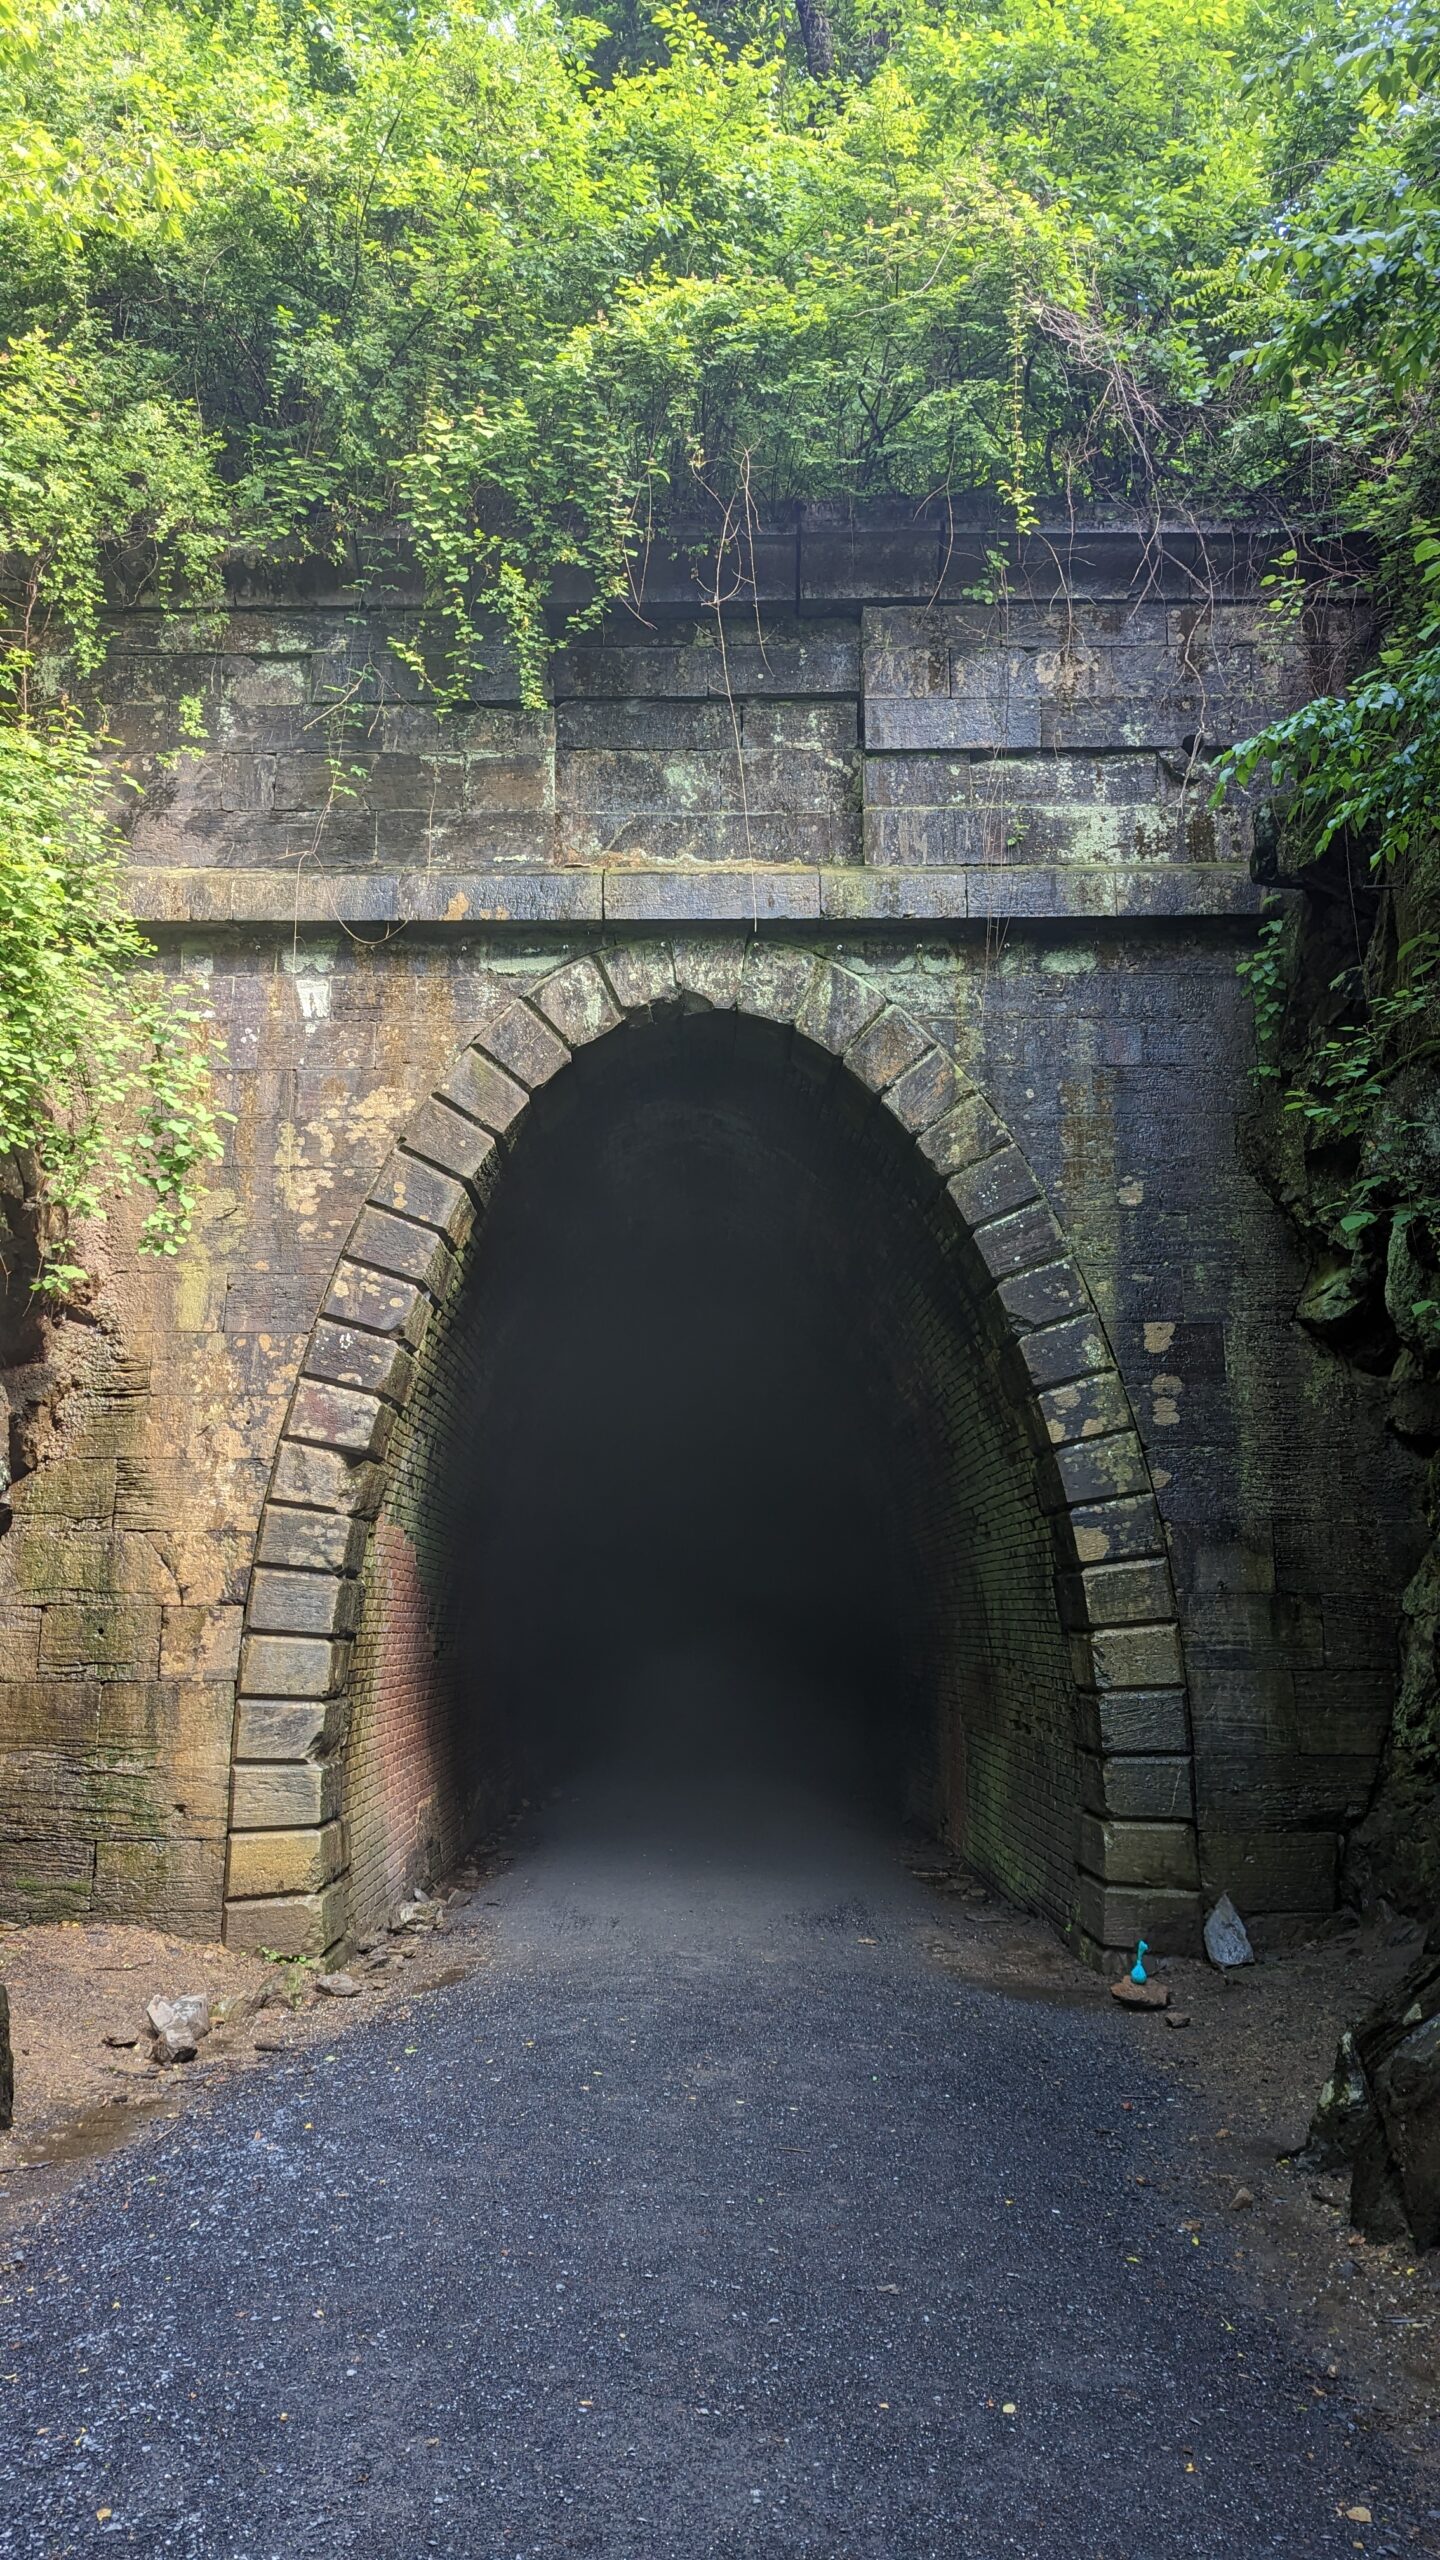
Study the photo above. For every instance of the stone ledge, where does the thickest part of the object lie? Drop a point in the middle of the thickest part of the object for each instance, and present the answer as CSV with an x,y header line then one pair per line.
x,y
839,895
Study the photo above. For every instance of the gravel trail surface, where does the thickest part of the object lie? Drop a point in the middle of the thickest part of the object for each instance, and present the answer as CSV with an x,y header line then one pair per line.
x,y
708,2219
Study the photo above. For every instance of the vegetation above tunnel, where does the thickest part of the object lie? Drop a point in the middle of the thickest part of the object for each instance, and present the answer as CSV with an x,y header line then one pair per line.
x,y
285,278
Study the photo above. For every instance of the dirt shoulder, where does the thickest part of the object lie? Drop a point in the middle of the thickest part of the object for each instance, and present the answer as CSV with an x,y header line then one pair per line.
x,y
85,2082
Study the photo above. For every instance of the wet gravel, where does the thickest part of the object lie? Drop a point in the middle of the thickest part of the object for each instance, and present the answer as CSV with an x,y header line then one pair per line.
x,y
708,2218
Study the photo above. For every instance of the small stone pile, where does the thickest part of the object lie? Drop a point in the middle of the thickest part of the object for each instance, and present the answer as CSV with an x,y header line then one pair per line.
x,y
1379,2112
178,2027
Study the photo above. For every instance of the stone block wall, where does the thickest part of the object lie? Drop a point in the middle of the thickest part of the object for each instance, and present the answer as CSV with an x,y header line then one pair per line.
x,y
996,818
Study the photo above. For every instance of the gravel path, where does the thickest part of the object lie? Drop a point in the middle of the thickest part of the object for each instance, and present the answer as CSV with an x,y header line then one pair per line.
x,y
707,2220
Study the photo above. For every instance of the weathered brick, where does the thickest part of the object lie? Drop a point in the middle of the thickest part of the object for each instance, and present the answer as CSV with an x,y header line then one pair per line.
x,y
1044,1296
103,1636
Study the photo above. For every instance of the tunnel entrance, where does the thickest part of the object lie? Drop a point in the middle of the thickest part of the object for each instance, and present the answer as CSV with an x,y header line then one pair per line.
x,y
711,1477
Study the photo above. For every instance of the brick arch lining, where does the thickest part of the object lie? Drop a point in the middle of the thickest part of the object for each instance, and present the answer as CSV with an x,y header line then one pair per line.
x,y
289,1852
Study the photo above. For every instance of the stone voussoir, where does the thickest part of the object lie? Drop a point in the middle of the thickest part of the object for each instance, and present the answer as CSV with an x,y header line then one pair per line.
x,y
524,1044
340,1418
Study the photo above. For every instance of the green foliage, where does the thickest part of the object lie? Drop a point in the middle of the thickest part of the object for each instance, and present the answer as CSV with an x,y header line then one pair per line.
x,y
103,1066
503,290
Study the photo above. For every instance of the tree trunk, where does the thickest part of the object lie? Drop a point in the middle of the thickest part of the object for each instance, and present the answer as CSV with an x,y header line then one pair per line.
x,y
818,40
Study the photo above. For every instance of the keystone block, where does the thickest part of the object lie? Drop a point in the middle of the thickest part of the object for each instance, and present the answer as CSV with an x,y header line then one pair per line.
x,y
774,983
640,973
710,969
578,1002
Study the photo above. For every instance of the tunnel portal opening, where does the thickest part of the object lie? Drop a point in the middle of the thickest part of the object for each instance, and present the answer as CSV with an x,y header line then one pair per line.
x,y
712,1481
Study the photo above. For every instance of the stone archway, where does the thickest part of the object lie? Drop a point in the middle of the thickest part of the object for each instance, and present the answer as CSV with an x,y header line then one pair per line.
x,y
1135,1859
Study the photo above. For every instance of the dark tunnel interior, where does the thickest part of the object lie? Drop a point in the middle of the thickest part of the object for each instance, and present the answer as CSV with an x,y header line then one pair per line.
x,y
712,1476
688,1553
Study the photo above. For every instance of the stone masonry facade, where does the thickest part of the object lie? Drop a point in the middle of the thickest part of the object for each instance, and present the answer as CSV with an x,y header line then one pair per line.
x,y
947,833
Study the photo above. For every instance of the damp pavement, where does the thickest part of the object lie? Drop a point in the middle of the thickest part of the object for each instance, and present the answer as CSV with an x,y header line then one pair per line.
x,y
708,2219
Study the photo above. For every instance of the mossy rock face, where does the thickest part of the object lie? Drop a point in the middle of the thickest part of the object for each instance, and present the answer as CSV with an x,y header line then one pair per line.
x,y
1395,1850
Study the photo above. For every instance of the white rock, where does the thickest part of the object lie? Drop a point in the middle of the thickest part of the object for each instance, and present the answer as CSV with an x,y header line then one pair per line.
x,y
1226,1943
189,2015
